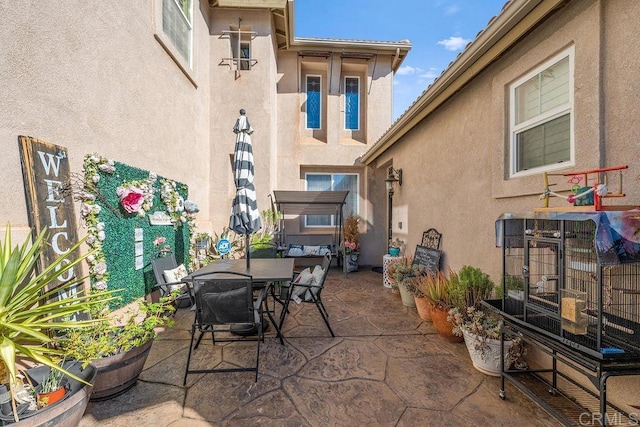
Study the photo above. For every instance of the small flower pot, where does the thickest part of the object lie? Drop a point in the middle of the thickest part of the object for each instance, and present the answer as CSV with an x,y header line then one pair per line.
x,y
46,399
394,251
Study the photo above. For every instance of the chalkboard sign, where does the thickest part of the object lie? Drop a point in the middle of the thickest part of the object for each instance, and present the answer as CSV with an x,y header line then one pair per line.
x,y
427,257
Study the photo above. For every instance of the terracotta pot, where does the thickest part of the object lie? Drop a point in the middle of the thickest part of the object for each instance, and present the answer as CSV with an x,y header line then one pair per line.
x,y
46,399
424,308
443,327
118,373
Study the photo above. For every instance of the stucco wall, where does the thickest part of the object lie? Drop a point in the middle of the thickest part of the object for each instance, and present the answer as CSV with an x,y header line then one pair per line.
x,y
90,76
454,160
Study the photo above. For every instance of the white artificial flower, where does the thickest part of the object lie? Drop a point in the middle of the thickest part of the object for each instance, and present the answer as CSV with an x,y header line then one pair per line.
x,y
85,209
96,209
91,259
95,178
101,235
101,285
105,167
100,268
120,190
100,226
90,239
94,158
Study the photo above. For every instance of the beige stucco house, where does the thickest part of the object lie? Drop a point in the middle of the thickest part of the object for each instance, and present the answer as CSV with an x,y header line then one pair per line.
x,y
559,75
158,84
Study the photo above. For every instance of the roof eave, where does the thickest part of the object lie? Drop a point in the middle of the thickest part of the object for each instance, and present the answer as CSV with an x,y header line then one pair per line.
x,y
515,20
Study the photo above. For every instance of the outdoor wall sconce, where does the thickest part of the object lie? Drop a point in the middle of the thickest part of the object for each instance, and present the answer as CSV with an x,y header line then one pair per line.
x,y
394,176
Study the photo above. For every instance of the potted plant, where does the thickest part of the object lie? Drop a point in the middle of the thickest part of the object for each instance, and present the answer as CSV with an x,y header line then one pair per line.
x,y
118,345
405,274
29,306
395,247
263,244
481,330
52,388
350,247
443,292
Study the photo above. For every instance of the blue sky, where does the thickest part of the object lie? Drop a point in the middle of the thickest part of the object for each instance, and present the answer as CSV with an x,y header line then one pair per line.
x,y
438,29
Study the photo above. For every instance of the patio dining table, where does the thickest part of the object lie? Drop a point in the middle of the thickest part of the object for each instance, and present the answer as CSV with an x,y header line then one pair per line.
x,y
262,270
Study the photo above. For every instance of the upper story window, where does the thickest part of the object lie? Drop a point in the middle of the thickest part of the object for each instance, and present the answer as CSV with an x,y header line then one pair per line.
x,y
352,103
314,101
177,25
541,122
240,37
332,182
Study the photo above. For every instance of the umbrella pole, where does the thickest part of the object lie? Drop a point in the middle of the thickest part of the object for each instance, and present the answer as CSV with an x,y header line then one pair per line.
x,y
247,250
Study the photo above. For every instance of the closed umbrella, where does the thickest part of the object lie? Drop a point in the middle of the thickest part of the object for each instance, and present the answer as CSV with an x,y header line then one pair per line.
x,y
245,217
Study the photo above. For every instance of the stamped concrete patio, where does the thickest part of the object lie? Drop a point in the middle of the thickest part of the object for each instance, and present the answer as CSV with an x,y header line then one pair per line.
x,y
385,367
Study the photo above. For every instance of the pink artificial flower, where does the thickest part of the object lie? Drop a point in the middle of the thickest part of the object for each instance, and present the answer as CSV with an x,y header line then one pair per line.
x,y
132,199
159,241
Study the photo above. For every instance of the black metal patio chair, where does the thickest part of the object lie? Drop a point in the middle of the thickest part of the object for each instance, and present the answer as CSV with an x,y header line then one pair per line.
x,y
309,293
225,301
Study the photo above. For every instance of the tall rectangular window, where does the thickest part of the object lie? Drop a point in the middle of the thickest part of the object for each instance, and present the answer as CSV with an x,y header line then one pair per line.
x,y
178,26
314,102
333,182
352,103
540,118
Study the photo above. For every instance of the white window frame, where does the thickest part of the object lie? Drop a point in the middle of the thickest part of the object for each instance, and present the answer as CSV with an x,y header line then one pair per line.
x,y
542,118
333,217
306,82
189,23
344,102
167,43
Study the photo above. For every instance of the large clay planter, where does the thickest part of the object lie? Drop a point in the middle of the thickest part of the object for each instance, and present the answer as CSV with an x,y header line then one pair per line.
x,y
485,356
407,298
424,308
443,327
117,374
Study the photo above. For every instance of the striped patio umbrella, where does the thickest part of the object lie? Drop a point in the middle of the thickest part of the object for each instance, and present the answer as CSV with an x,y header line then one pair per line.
x,y
245,217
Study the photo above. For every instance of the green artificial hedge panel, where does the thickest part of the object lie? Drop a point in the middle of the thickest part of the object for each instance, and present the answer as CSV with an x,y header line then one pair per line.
x,y
119,226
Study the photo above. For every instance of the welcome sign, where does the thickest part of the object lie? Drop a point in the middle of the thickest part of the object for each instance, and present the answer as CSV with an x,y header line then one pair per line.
x,y
46,173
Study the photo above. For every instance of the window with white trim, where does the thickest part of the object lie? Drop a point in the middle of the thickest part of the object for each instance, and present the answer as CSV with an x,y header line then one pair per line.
x,y
352,103
541,122
313,87
332,182
177,25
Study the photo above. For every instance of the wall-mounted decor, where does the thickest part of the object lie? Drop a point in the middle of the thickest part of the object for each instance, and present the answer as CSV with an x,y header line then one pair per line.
x,y
117,203
45,170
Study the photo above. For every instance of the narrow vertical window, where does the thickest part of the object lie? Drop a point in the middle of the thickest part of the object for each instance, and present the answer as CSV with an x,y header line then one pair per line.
x,y
352,103
314,103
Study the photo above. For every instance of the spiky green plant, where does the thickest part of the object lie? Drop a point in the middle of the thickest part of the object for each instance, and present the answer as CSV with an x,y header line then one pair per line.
x,y
29,308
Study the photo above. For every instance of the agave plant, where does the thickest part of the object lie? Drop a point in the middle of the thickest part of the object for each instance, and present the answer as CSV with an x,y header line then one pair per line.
x,y
29,307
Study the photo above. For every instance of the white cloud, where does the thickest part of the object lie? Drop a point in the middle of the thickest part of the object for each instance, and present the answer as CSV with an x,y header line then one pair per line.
x,y
431,73
407,70
454,43
454,8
